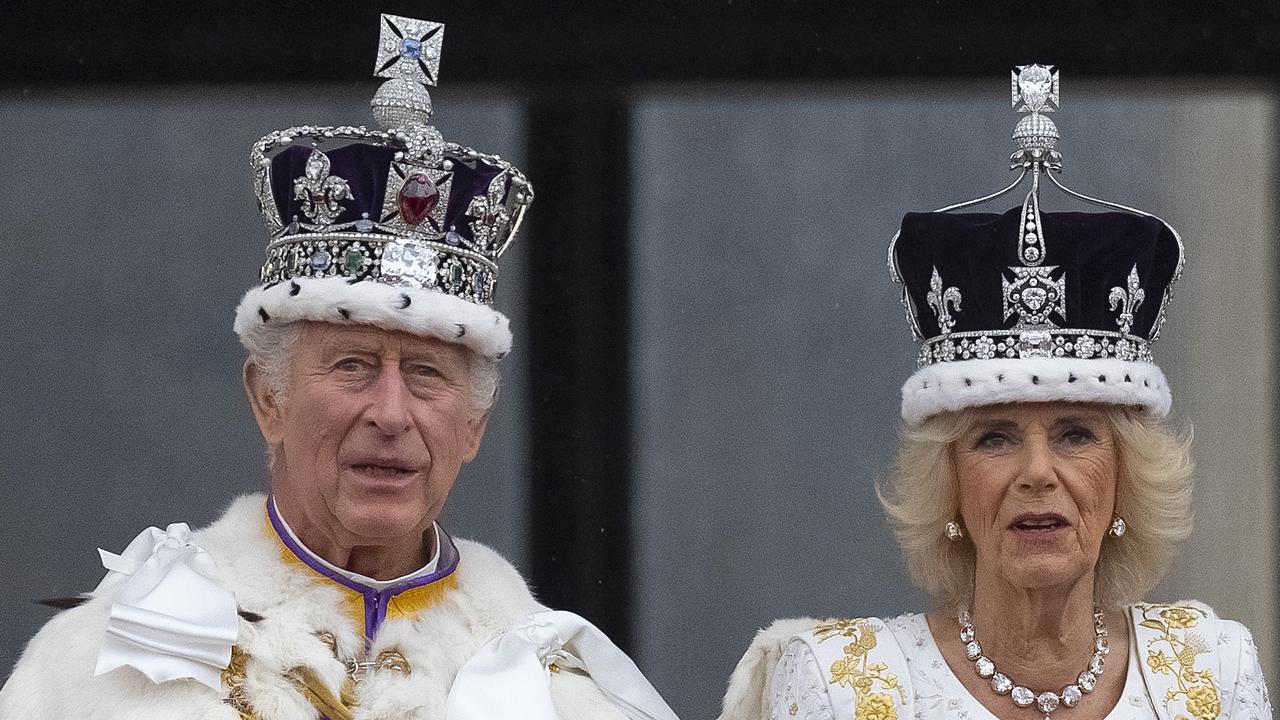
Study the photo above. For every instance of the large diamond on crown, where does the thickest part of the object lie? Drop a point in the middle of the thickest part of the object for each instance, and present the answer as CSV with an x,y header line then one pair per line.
x,y
1036,86
410,263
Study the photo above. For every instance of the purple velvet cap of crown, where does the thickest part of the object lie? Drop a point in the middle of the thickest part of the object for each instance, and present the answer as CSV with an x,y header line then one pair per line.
x,y
366,167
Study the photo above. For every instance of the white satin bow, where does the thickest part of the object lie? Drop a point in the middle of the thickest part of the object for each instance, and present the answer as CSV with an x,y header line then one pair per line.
x,y
169,618
510,676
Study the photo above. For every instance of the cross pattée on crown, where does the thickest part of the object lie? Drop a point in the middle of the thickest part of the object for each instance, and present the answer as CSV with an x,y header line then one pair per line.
x,y
409,49
1035,86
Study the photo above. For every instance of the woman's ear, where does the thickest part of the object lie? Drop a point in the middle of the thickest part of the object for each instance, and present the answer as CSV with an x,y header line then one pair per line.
x,y
265,404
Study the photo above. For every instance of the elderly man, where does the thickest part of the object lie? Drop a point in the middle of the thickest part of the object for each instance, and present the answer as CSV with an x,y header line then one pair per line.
x,y
371,371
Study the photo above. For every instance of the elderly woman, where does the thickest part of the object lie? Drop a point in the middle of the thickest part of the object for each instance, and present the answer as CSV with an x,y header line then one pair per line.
x,y
1038,495
372,366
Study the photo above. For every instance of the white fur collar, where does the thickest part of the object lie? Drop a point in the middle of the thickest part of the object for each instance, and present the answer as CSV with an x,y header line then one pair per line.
x,y
54,677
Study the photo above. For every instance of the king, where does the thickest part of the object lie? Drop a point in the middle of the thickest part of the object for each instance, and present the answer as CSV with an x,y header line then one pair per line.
x,y
372,365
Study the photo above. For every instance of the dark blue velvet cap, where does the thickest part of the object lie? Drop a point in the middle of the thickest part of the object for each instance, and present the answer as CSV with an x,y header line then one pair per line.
x,y
1094,252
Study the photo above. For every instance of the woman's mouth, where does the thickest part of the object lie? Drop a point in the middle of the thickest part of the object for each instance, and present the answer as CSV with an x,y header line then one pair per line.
x,y
1040,522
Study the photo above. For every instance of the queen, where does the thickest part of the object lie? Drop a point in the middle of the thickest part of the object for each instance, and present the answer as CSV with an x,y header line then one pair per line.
x,y
1038,494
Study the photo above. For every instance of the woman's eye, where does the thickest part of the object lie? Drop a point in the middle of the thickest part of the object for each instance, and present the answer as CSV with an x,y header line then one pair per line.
x,y
1079,436
992,441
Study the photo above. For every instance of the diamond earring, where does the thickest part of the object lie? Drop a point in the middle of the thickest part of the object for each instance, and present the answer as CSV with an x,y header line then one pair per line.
x,y
1118,527
954,532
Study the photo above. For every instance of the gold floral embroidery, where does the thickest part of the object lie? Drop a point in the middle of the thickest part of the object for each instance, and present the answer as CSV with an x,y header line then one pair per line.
x,y
856,671
1160,662
1179,617
1203,702
875,706
1196,687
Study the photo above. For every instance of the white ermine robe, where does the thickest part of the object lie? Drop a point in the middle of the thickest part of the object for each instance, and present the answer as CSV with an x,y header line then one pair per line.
x,y
301,630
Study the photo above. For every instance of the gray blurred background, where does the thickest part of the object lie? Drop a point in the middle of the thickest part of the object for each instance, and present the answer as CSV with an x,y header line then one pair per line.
x,y
757,342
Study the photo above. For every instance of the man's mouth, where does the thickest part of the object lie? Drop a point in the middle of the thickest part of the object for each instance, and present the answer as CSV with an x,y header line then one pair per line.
x,y
382,469
1039,522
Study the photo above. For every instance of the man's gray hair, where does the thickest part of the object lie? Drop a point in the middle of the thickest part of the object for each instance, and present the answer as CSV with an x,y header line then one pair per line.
x,y
271,346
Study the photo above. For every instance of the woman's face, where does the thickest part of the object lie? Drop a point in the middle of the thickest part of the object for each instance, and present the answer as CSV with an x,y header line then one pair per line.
x,y
1036,484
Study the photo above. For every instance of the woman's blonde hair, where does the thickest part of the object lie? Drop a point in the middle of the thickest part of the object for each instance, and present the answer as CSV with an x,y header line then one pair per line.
x,y
1153,495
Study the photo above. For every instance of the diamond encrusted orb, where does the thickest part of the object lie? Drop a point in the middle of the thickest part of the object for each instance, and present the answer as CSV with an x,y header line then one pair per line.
x,y
1023,697
1035,132
401,103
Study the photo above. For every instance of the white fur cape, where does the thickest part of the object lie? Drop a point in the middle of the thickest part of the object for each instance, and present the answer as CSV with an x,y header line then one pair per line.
x,y
748,695
54,678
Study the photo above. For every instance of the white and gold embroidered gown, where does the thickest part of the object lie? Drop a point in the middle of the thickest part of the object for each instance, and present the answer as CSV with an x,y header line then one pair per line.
x,y
1183,662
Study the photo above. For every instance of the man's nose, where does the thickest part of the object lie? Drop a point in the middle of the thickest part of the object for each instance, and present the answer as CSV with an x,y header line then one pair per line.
x,y
389,402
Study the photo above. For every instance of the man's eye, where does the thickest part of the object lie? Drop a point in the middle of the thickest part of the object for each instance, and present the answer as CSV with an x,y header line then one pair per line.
x,y
425,371
349,365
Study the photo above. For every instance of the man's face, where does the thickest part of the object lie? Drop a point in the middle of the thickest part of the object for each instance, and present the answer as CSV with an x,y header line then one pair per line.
x,y
376,426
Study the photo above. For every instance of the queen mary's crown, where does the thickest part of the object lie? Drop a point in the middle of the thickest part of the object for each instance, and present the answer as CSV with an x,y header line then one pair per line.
x,y
397,205
1024,305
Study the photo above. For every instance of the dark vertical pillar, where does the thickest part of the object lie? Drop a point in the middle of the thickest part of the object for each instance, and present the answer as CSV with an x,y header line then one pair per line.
x,y
578,355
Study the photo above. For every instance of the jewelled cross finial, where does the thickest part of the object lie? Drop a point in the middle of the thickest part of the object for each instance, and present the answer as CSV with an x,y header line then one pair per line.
x,y
1035,86
409,49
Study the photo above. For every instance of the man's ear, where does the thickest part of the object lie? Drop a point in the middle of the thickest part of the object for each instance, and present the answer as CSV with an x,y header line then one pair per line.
x,y
266,408
475,432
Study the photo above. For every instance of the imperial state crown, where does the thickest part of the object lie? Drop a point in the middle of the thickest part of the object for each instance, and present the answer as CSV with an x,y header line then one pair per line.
x,y
393,227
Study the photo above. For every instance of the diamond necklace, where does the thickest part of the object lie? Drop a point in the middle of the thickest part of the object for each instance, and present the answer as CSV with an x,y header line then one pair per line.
x,y
1023,696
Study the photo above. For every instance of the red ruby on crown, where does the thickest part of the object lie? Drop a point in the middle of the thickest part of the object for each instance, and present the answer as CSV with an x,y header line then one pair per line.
x,y
417,198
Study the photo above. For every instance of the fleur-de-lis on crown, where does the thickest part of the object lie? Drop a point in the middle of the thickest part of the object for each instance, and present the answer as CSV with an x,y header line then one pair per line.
x,y
938,298
319,191
491,216
1128,300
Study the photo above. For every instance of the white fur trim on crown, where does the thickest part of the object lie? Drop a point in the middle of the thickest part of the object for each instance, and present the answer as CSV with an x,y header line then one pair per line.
x,y
950,386
421,312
